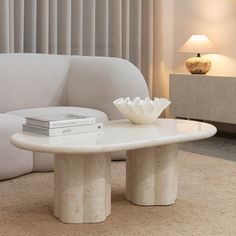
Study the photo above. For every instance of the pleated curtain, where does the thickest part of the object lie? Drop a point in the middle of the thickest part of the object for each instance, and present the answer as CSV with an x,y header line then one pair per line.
x,y
127,29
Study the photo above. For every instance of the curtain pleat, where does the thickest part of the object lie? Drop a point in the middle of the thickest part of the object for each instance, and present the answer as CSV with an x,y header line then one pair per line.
x,y
11,25
30,23
101,28
118,28
43,26
147,42
18,26
135,32
77,27
53,27
125,28
64,27
88,33
115,28
160,85
4,24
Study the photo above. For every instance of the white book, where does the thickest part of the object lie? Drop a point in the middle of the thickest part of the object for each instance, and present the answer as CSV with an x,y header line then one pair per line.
x,y
64,130
60,120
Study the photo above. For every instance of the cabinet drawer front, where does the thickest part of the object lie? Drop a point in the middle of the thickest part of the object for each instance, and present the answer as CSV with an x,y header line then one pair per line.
x,y
203,97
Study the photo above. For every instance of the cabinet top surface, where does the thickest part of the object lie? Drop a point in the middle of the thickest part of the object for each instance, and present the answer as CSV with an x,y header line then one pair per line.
x,y
117,135
200,76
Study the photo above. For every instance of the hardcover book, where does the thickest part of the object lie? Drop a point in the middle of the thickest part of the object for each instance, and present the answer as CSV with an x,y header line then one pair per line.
x,y
60,120
63,130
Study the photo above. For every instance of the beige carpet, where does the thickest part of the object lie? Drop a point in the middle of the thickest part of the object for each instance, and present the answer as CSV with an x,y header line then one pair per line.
x,y
206,204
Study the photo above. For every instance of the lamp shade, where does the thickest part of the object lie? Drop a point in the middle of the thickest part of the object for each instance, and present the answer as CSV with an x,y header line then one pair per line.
x,y
198,44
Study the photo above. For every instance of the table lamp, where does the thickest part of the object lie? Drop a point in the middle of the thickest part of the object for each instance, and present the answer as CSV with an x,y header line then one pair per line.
x,y
198,44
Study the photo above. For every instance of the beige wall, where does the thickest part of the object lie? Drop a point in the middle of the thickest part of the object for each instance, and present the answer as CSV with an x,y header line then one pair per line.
x,y
215,18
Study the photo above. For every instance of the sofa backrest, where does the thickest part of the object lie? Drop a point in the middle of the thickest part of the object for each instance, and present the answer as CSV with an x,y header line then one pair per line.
x,y
41,80
32,80
96,82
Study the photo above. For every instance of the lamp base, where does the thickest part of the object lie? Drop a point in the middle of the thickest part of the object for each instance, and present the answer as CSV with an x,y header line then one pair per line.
x,y
198,65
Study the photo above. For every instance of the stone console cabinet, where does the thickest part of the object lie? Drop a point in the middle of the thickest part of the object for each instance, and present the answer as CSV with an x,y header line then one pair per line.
x,y
203,97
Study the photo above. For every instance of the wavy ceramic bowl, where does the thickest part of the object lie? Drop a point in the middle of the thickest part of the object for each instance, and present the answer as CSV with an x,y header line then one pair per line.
x,y
141,111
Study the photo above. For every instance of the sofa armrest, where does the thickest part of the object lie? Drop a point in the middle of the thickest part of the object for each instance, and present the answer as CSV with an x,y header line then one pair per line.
x,y
13,161
95,82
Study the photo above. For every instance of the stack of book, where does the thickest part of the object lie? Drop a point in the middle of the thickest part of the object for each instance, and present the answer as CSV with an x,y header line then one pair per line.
x,y
63,124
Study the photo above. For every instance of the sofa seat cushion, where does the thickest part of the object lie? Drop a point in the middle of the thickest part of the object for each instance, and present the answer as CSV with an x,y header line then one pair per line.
x,y
13,161
45,161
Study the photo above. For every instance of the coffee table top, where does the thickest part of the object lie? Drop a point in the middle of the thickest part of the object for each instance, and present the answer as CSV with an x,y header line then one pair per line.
x,y
117,135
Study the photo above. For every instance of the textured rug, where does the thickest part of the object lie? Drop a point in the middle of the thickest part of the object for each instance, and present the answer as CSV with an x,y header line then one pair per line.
x,y
206,204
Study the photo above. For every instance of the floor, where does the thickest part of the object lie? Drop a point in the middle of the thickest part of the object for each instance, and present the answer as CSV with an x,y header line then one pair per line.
x,y
220,146
205,205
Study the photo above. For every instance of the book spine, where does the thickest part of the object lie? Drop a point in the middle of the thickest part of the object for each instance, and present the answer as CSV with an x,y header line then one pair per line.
x,y
65,123
61,123
64,131
75,129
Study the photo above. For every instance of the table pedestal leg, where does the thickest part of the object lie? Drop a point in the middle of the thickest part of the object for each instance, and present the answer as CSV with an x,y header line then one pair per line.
x,y
82,187
151,175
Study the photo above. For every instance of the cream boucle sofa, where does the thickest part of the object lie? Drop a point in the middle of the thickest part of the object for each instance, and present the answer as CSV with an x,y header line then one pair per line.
x,y
32,84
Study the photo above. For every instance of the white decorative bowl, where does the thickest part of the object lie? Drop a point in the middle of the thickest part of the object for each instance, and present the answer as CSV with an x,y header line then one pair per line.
x,y
141,111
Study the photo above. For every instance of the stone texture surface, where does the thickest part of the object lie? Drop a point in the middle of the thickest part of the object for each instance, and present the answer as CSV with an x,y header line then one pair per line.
x,y
82,179
151,175
203,97
198,65
118,135
82,188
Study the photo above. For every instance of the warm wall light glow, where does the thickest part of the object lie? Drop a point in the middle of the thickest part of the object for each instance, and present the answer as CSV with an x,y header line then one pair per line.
x,y
198,44
223,65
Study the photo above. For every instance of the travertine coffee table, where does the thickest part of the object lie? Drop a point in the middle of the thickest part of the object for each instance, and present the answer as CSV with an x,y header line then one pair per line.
x,y
82,186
